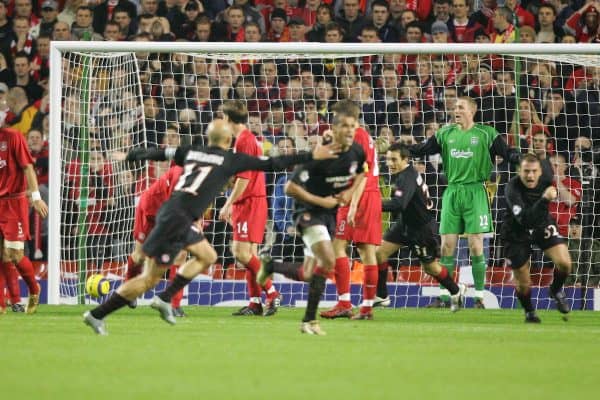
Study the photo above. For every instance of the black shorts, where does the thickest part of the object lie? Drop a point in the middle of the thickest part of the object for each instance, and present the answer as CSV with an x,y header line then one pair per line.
x,y
422,240
305,219
174,230
518,246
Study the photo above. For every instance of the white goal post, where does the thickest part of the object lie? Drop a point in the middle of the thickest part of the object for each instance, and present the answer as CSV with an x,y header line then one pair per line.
x,y
82,71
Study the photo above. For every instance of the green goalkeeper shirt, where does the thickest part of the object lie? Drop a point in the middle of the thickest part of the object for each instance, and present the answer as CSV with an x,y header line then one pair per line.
x,y
467,156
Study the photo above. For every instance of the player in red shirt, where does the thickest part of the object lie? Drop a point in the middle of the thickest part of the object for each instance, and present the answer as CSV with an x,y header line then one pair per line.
x,y
149,204
246,211
569,195
17,176
360,222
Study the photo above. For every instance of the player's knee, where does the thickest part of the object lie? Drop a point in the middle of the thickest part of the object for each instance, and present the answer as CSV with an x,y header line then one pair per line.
x,y
447,248
475,248
308,273
211,257
522,278
429,267
241,252
150,281
327,263
565,266
379,256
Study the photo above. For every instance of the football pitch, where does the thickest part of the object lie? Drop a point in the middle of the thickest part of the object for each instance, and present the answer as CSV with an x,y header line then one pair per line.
x,y
403,354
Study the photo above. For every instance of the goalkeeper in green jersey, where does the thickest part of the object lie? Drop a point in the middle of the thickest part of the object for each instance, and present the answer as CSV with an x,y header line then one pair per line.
x,y
468,153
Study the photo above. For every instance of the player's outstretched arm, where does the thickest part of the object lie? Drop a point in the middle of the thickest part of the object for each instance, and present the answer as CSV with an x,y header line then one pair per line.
x,y
157,154
430,146
243,162
36,199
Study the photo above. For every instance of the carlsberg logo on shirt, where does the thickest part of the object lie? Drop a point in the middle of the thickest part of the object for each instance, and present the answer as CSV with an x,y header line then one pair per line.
x,y
461,153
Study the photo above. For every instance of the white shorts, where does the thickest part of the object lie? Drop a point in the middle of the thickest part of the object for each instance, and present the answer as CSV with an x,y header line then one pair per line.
x,y
14,245
314,234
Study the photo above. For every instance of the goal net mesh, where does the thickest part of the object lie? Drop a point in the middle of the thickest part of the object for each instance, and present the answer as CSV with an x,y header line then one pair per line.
x,y
545,104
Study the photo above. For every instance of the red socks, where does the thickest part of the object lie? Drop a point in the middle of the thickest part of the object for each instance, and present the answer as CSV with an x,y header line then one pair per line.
x,y
176,299
12,283
370,284
342,281
25,268
254,290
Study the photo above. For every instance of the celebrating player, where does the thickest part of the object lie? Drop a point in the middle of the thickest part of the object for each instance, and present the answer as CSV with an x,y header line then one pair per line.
x,y
360,221
468,152
528,223
314,186
17,176
410,206
206,170
246,211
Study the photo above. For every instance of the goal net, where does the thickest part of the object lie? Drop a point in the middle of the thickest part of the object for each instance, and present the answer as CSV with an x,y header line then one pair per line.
x,y
542,99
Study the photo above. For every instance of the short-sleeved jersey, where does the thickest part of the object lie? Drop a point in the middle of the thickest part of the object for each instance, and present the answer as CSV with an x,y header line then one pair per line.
x,y
247,143
328,177
160,190
362,137
466,154
410,202
207,169
14,156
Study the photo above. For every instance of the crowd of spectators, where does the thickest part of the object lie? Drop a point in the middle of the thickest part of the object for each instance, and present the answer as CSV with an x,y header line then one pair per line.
x,y
551,108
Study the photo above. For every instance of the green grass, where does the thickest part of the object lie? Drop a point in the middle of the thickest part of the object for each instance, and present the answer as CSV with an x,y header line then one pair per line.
x,y
403,354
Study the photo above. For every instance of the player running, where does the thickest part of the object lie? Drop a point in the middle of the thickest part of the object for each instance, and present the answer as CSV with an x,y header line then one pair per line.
x,y
413,225
528,223
314,186
145,213
205,172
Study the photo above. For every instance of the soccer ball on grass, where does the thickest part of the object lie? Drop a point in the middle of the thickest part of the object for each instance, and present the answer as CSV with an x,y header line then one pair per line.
x,y
97,285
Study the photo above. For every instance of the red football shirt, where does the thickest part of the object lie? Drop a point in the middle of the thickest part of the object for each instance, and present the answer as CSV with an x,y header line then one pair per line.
x,y
362,137
160,190
14,156
561,212
247,143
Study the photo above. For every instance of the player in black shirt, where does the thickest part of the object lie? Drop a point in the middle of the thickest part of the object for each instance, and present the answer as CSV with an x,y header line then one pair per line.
x,y
411,206
527,222
206,170
318,187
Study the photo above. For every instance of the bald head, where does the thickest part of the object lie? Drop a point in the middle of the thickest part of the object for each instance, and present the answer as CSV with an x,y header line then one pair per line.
x,y
219,134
